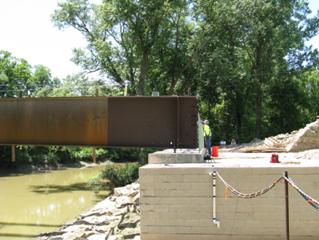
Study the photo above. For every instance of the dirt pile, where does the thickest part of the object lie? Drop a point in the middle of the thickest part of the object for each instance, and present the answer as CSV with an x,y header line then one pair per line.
x,y
304,139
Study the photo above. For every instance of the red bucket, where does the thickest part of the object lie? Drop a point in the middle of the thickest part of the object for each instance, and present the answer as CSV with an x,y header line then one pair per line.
x,y
274,158
214,151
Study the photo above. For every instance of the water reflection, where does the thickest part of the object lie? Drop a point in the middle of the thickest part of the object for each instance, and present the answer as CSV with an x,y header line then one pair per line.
x,y
31,204
2,224
48,189
16,235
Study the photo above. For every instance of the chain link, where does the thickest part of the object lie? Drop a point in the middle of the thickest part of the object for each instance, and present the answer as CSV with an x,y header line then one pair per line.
x,y
247,195
313,202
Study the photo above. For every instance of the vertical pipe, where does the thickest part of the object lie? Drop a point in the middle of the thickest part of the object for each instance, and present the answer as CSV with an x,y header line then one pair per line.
x,y
214,195
287,206
215,221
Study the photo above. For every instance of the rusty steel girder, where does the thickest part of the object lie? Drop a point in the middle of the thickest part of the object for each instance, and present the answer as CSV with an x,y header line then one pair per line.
x,y
100,121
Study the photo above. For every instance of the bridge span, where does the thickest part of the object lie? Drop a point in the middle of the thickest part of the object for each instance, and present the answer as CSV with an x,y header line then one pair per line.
x,y
100,121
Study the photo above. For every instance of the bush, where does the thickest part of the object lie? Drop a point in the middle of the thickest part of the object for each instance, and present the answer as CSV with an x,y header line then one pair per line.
x,y
121,175
85,153
99,184
130,154
51,155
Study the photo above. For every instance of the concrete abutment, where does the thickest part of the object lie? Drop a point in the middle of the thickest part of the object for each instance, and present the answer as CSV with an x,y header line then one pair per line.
x,y
176,201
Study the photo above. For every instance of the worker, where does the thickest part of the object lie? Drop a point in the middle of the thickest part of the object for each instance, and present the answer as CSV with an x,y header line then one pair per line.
x,y
207,138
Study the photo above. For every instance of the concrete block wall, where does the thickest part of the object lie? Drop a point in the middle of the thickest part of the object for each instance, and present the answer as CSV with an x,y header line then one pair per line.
x,y
176,203
180,156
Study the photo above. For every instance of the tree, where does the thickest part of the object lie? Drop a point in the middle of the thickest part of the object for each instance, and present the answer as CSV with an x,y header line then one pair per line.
x,y
123,37
14,75
76,85
310,86
246,47
41,81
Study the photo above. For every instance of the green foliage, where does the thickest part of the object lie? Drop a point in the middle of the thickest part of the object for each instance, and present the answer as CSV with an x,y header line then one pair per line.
x,y
85,154
130,154
77,85
121,174
250,55
14,75
287,102
50,156
128,40
310,87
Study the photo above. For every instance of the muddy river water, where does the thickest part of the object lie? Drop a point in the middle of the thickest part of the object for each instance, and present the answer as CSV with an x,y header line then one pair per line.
x,y
35,203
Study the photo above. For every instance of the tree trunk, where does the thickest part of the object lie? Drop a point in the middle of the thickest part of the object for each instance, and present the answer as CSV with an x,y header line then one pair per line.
x,y
239,115
258,111
258,81
143,74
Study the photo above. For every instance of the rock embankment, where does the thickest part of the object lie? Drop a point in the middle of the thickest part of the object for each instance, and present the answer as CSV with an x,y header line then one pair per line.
x,y
115,218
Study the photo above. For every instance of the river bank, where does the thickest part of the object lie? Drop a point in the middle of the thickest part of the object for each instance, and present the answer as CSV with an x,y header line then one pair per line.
x,y
44,200
115,218
18,169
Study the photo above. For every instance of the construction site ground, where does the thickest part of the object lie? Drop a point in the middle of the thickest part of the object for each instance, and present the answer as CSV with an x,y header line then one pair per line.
x,y
229,158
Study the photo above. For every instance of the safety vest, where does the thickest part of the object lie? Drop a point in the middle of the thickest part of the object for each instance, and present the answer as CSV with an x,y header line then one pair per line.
x,y
207,131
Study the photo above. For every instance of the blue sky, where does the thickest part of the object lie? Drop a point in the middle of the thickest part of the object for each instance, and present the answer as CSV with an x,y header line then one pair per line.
x,y
314,6
27,32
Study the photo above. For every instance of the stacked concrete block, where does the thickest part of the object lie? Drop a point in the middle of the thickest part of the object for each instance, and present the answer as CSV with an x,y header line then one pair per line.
x,y
176,203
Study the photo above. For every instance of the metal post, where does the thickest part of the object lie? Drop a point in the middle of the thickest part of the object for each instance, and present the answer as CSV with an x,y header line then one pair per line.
x,y
97,93
94,154
177,123
126,82
287,206
13,153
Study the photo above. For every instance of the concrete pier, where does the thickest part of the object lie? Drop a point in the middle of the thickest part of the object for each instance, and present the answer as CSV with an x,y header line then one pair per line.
x,y
176,200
